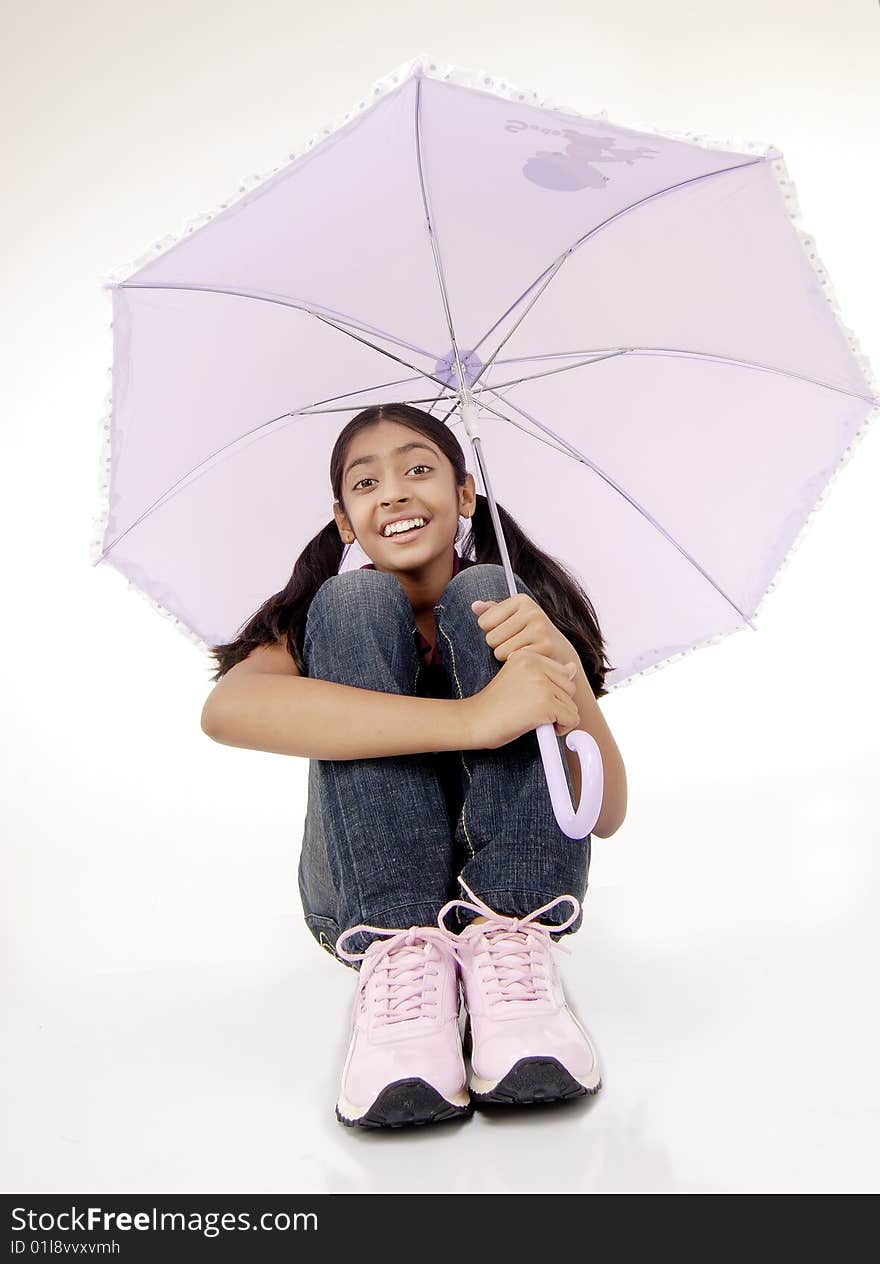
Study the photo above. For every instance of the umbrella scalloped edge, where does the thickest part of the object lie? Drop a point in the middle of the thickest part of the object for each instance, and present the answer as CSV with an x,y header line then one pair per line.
x,y
482,80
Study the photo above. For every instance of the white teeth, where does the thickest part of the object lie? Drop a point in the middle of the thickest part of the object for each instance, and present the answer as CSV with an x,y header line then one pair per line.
x,y
405,524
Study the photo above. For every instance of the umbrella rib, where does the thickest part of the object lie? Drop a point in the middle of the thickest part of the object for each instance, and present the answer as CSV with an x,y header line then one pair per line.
x,y
190,475
596,357
318,412
564,368
558,355
341,319
553,268
438,398
574,452
435,249
556,447
314,409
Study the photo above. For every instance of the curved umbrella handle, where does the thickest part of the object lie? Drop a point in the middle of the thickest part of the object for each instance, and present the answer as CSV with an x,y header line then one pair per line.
x,y
576,824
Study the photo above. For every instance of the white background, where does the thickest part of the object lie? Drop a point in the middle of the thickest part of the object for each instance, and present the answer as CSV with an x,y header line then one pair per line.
x,y
171,1024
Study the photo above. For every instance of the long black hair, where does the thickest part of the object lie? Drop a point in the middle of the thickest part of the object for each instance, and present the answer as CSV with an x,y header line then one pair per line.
x,y
282,618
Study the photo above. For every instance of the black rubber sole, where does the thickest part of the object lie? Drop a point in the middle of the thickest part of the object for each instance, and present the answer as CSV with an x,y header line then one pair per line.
x,y
405,1104
530,1081
533,1080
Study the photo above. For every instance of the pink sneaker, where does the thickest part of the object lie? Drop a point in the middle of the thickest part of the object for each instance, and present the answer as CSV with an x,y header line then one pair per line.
x,y
405,1062
524,1042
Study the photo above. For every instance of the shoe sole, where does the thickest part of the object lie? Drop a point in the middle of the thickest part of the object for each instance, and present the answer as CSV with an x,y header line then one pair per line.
x,y
528,1082
403,1104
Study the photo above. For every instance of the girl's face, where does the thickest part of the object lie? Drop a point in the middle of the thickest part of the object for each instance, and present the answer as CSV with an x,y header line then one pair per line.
x,y
381,482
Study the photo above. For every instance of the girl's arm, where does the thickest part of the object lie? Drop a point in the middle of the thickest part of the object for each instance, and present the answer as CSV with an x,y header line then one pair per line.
x,y
263,703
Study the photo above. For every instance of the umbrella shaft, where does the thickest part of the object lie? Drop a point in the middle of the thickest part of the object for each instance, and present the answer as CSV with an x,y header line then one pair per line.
x,y
477,445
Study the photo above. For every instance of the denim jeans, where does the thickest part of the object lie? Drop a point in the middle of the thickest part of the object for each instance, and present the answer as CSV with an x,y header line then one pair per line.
x,y
382,844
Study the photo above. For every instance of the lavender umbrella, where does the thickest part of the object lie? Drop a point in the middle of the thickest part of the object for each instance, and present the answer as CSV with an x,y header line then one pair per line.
x,y
627,322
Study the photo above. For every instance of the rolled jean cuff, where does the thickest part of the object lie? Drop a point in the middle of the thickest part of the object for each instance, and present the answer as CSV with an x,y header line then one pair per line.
x,y
395,919
509,903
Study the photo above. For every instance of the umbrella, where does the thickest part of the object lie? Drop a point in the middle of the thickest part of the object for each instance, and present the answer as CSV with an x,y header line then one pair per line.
x,y
629,320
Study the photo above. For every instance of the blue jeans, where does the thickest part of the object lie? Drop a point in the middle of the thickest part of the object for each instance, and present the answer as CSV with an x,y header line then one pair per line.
x,y
383,844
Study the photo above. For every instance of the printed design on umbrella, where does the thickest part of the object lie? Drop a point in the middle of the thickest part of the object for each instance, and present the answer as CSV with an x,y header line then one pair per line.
x,y
576,167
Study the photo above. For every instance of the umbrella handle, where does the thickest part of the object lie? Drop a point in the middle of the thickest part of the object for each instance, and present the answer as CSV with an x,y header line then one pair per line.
x,y
576,824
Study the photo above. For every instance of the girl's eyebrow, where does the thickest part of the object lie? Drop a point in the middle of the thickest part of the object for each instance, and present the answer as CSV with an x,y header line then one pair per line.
x,y
404,447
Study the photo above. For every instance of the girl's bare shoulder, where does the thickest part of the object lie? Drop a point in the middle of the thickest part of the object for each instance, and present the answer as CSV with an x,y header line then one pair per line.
x,y
272,659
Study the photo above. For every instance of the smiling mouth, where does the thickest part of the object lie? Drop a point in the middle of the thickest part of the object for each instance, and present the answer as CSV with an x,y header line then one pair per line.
x,y
406,535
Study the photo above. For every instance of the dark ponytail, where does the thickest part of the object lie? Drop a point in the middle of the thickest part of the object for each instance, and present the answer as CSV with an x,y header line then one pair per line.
x,y
282,618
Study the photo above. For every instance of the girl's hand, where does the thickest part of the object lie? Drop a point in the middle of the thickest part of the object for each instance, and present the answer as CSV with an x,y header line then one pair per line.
x,y
519,623
529,690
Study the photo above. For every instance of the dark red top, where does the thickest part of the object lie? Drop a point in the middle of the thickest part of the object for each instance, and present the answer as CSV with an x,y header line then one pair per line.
x,y
424,645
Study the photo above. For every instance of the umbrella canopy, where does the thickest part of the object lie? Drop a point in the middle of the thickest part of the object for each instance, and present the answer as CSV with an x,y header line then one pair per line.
x,y
663,383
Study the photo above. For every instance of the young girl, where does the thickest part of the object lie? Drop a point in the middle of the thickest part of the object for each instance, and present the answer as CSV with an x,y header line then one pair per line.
x,y
413,684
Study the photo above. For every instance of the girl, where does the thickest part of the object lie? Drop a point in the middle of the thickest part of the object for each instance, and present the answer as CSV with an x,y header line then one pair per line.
x,y
413,685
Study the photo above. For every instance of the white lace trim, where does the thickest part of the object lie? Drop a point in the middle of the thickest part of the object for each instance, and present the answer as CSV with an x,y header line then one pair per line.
x,y
484,81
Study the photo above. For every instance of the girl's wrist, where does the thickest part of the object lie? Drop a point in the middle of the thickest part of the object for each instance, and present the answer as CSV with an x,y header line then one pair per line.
x,y
470,711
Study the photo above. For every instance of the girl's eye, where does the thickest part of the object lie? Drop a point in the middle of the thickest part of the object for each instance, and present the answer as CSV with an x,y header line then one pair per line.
x,y
372,480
